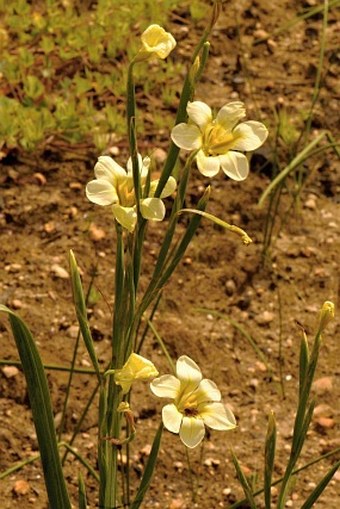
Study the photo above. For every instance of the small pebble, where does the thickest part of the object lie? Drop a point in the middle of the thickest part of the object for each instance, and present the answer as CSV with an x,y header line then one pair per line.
x,y
230,287
10,371
310,203
211,462
325,422
176,503
59,271
96,234
323,385
265,318
16,304
21,487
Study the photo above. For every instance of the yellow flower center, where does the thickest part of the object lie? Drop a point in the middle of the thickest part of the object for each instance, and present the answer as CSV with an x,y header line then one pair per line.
x,y
217,140
126,192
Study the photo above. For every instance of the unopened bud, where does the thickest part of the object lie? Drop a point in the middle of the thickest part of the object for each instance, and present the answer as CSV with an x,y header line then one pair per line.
x,y
326,314
195,69
215,13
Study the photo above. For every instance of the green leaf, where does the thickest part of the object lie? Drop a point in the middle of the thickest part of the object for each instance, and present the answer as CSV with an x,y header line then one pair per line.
x,y
82,492
33,87
149,468
303,364
320,487
269,457
40,401
244,483
79,303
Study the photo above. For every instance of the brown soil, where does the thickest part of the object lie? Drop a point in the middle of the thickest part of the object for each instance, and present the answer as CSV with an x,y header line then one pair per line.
x,y
43,214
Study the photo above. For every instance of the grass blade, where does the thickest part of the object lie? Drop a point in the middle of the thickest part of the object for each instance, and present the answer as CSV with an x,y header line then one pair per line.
x,y
244,483
269,457
40,401
82,493
80,305
320,487
150,466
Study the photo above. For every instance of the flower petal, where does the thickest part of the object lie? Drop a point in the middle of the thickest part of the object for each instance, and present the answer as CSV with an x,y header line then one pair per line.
x,y
172,418
217,416
101,192
156,40
126,216
152,208
249,135
143,165
235,165
107,168
187,370
186,136
200,113
192,431
209,166
169,187
208,391
166,386
230,114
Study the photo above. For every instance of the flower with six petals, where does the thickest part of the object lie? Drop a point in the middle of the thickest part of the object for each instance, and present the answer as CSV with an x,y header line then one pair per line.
x,y
114,186
135,368
196,403
220,141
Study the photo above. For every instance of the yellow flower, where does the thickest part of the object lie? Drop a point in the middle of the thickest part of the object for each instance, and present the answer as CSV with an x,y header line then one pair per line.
x,y
135,368
197,402
114,186
156,40
326,314
219,141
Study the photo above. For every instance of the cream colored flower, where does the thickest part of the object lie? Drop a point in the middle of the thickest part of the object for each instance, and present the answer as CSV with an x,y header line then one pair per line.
x,y
114,186
197,402
135,368
156,40
220,141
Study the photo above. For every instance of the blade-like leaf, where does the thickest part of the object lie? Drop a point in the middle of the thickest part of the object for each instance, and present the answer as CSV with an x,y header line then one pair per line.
x,y
40,401
244,483
82,492
320,487
148,472
80,306
269,457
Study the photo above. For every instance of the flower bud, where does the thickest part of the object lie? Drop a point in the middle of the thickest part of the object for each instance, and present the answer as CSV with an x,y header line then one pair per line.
x,y
326,314
156,40
135,368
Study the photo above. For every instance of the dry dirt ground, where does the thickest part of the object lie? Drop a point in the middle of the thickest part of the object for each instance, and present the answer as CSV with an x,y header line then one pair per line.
x,y
43,214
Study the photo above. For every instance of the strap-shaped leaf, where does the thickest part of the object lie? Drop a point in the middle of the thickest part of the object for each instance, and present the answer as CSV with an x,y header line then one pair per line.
x,y
40,401
320,487
269,457
79,303
148,472
244,482
82,493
